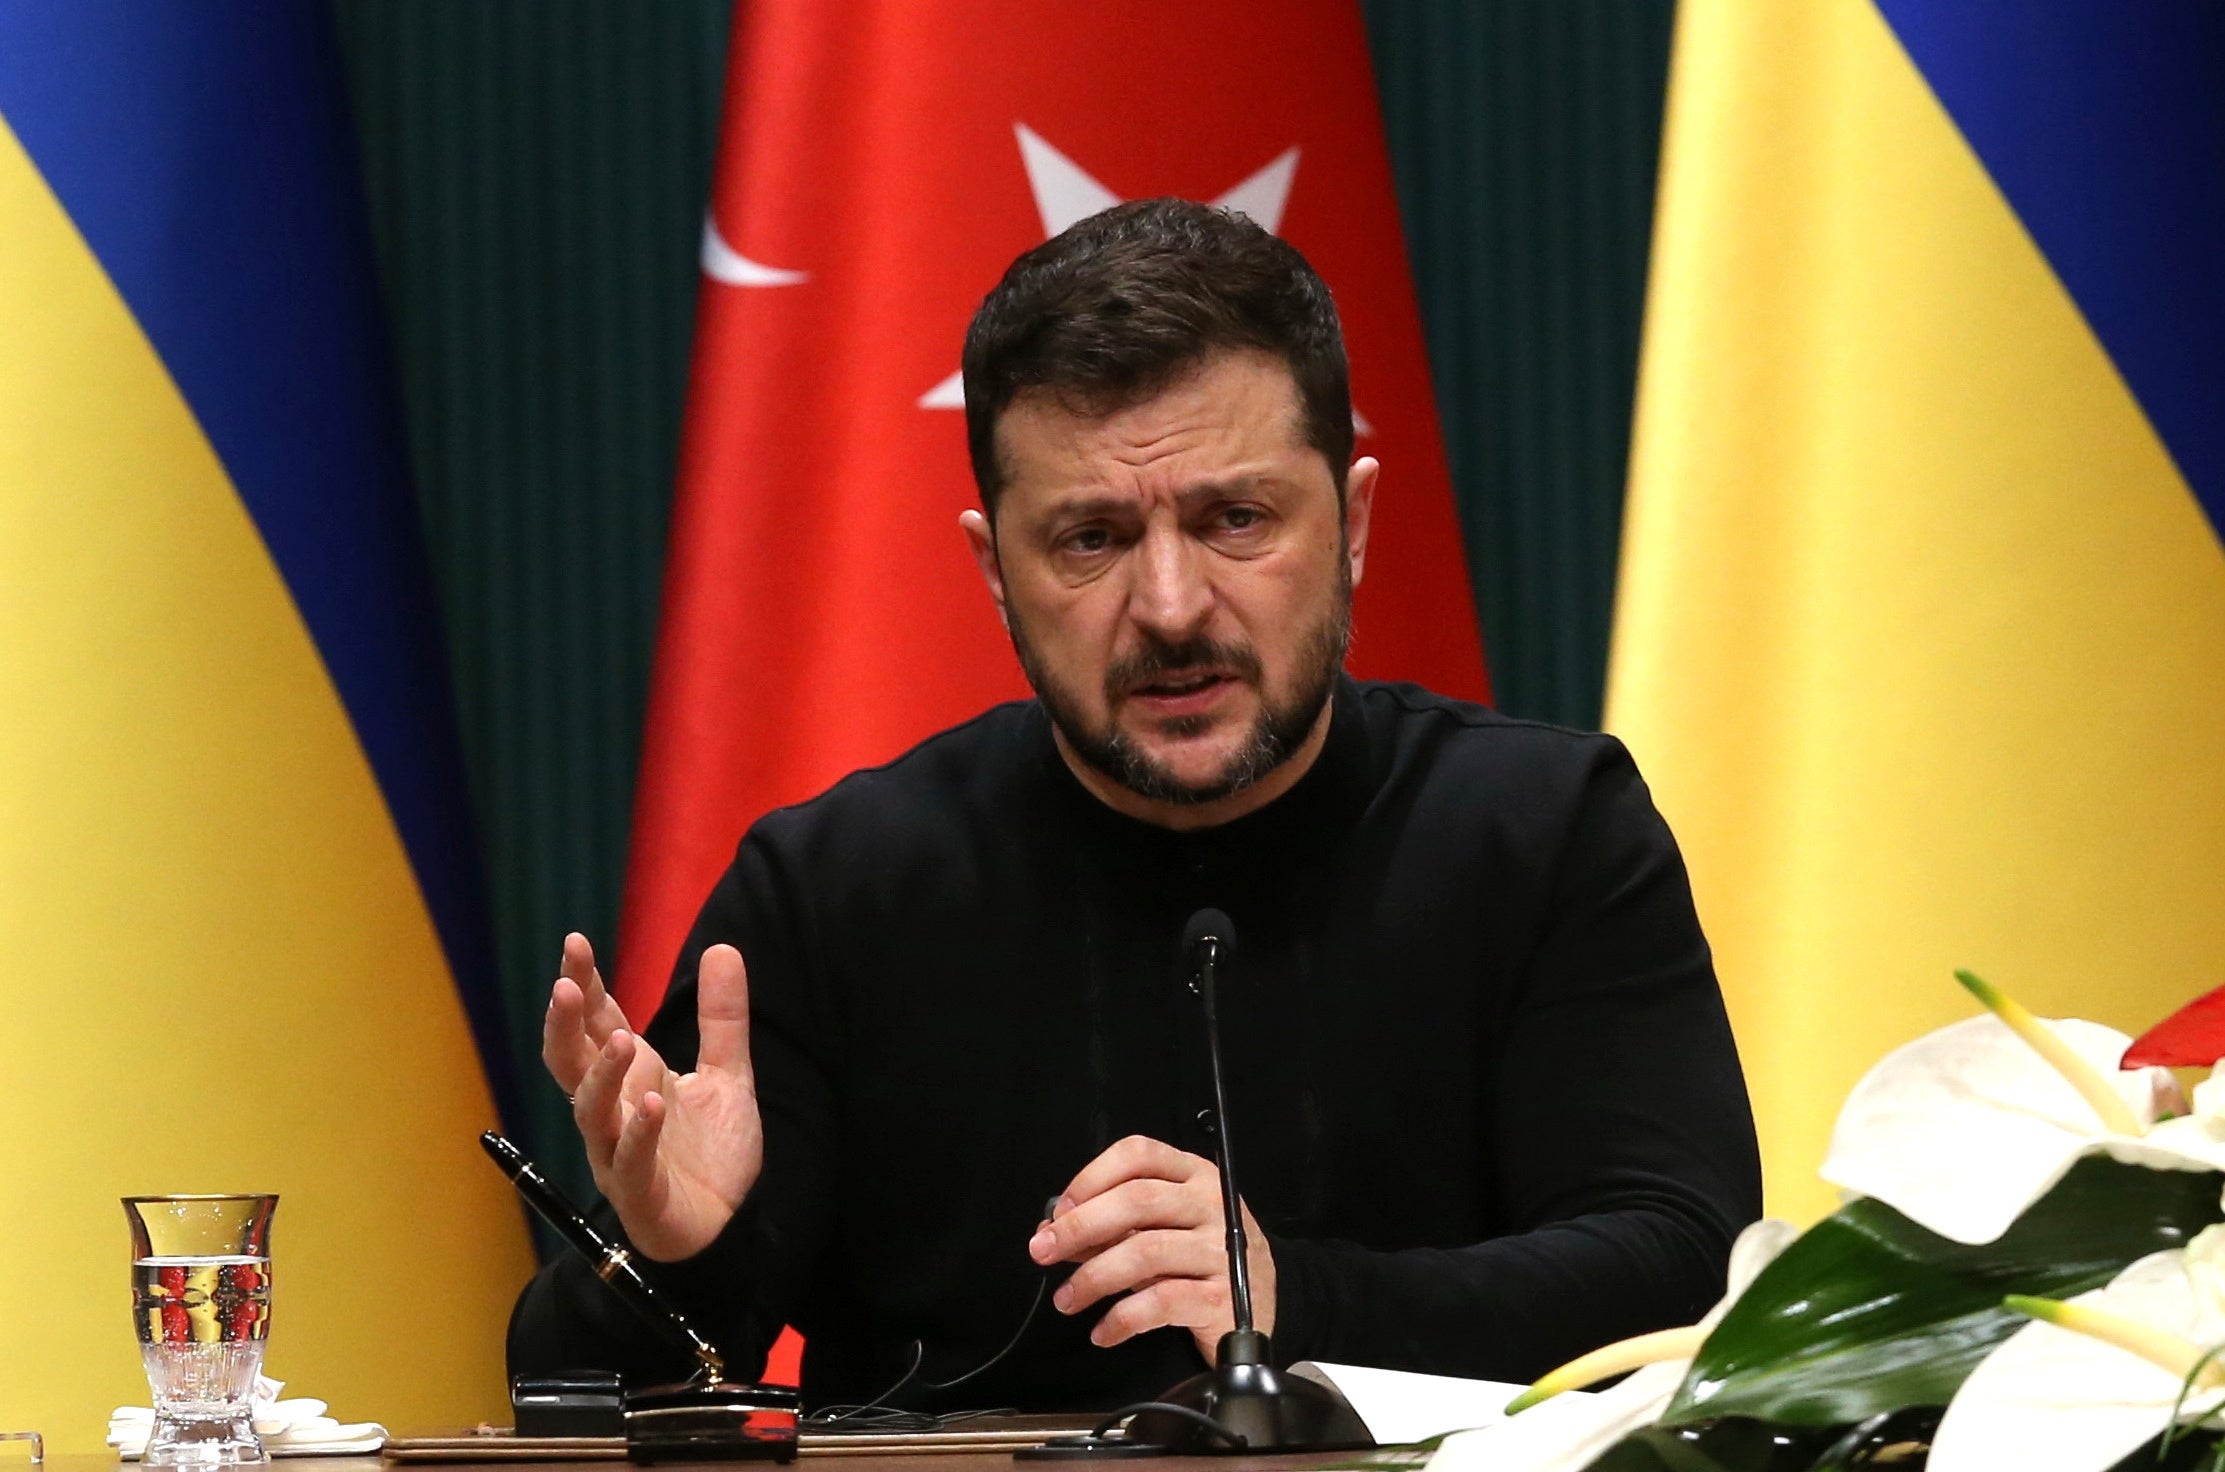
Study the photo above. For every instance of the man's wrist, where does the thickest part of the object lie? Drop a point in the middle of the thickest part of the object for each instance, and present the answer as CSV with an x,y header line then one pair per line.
x,y
709,1265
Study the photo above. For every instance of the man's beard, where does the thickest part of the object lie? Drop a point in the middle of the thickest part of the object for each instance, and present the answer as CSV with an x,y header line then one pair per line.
x,y
1280,729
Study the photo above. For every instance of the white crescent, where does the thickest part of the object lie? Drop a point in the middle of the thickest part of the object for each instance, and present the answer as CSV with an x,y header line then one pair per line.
x,y
723,263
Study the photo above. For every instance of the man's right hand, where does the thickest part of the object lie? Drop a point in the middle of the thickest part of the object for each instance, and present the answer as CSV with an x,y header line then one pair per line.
x,y
674,1154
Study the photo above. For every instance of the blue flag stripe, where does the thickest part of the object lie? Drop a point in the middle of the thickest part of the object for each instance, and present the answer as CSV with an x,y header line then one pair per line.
x,y
203,149
2104,125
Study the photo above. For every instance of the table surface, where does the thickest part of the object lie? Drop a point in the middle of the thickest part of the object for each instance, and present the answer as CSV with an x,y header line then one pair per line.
x,y
875,1462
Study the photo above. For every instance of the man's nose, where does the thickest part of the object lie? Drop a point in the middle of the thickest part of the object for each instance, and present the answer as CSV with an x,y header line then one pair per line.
x,y
1171,597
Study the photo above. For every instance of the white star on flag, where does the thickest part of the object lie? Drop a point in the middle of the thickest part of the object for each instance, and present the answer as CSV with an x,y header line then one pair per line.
x,y
1065,193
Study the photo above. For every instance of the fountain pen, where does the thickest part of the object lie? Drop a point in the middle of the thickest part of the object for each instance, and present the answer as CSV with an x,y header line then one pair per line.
x,y
610,1260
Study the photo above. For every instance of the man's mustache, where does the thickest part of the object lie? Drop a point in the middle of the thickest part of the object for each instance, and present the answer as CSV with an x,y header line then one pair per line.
x,y
1158,659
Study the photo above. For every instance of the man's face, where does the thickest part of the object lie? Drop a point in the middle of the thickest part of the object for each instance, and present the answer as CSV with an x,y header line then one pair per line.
x,y
1177,576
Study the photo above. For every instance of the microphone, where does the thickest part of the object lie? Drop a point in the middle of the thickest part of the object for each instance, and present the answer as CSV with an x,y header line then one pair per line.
x,y
1209,925
1243,1403
1207,940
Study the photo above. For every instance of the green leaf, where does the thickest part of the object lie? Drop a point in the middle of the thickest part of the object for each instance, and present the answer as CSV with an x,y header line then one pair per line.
x,y
1901,1440
1868,1312
1735,1445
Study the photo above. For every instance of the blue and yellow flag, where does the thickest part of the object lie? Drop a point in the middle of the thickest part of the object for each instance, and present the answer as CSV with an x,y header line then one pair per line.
x,y
245,938
1921,630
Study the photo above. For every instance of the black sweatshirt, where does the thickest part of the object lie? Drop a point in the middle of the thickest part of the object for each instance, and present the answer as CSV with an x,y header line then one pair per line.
x,y
1484,1097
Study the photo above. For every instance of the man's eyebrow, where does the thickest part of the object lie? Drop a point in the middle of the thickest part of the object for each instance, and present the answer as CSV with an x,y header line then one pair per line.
x,y
1216,490
1085,504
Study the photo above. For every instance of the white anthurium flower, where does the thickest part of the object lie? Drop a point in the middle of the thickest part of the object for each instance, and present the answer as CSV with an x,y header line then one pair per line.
x,y
1964,1128
2053,1400
1569,1431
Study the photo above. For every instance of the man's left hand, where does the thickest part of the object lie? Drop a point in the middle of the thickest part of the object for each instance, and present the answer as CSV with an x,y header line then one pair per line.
x,y
1144,1219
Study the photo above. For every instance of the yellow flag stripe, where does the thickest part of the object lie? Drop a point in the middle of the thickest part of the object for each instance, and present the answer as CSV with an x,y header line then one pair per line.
x,y
1920,636
222,976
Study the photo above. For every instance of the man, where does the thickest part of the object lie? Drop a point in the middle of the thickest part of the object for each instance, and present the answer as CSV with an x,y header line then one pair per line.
x,y
1490,1110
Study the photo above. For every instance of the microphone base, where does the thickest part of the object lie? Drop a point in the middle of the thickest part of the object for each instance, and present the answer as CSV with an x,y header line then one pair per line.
x,y
1273,1411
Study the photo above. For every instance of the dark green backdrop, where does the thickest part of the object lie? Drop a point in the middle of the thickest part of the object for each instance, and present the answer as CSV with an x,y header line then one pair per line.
x,y
536,172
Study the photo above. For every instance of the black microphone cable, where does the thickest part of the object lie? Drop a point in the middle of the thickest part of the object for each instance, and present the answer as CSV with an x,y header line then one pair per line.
x,y
878,1415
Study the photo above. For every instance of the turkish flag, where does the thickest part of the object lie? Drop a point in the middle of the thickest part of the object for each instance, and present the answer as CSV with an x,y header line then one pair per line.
x,y
879,165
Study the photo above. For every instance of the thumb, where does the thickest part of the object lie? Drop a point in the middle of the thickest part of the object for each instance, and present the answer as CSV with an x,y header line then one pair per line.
x,y
722,1011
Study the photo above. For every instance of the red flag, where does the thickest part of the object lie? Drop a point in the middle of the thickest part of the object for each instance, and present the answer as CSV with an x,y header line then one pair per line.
x,y
879,166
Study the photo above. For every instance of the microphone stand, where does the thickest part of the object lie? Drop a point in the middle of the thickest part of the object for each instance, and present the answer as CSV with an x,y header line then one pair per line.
x,y
1242,1404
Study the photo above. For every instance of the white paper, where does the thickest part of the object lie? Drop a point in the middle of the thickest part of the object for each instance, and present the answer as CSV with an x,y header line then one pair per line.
x,y
1401,1407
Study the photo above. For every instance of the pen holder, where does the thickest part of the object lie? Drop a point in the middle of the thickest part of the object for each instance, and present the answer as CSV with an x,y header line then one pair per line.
x,y
719,1422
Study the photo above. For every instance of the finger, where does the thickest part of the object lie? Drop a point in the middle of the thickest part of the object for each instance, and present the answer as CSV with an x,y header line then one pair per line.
x,y
1192,1303
599,1106
1141,1259
566,1050
633,1163
1130,1159
604,1015
1131,1206
722,1012
578,961
1039,1244
646,1072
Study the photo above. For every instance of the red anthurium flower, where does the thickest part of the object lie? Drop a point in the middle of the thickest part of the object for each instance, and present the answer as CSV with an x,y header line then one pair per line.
x,y
2192,1037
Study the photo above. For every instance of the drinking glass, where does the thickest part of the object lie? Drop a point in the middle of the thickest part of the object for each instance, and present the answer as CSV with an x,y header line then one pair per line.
x,y
200,1287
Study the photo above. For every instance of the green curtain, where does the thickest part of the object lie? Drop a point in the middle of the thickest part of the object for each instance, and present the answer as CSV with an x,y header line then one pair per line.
x,y
536,172
1524,135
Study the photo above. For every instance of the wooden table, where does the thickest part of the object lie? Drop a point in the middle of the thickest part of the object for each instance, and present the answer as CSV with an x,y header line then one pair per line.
x,y
884,1462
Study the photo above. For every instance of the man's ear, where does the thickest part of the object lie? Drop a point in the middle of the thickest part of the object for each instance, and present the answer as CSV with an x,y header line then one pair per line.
x,y
1359,506
981,539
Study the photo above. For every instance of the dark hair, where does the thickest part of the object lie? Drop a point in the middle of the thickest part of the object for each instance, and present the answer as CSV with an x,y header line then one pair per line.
x,y
1113,308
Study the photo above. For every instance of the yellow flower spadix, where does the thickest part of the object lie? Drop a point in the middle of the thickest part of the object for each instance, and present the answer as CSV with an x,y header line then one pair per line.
x,y
1612,1359
2165,1350
2116,1116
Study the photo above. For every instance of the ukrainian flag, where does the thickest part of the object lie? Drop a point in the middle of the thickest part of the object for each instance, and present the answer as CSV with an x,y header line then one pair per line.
x,y
245,944
1921,628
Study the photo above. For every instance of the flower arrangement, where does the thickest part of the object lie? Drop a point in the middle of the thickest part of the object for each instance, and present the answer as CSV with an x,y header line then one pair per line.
x,y
2028,1273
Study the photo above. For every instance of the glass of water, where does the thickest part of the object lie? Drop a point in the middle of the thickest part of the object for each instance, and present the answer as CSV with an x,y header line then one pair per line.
x,y
200,1289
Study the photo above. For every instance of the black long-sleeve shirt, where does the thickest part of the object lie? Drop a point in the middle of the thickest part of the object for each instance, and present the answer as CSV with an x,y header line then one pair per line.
x,y
1485,1098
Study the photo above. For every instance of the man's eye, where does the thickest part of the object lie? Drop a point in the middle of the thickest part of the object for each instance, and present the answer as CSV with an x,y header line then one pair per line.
x,y
1242,518
1088,539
